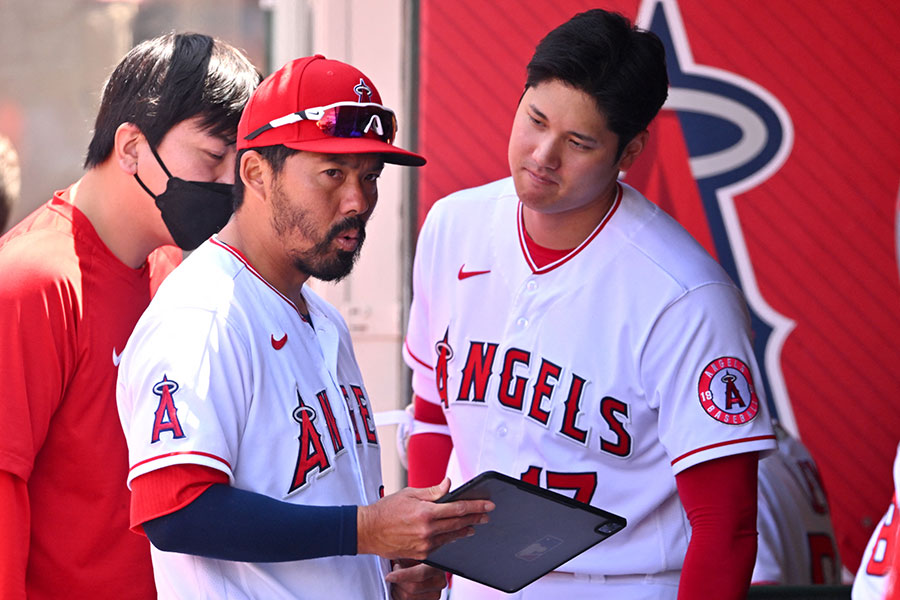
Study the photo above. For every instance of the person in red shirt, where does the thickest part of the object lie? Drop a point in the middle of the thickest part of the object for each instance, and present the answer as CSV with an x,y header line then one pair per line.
x,y
77,274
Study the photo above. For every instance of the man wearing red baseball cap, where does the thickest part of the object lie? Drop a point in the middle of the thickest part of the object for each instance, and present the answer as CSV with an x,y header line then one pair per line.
x,y
255,466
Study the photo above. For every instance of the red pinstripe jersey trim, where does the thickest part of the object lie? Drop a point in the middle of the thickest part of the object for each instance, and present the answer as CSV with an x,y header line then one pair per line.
x,y
520,224
161,456
243,259
416,358
721,444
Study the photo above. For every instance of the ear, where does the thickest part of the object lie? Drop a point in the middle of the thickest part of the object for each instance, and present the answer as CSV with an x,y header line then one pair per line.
x,y
632,150
256,174
125,147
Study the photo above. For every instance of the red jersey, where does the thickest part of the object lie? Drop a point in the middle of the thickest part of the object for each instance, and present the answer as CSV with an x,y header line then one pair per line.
x,y
67,307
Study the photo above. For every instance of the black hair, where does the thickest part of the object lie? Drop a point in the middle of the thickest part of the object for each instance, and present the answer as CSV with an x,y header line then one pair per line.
x,y
602,54
169,79
275,156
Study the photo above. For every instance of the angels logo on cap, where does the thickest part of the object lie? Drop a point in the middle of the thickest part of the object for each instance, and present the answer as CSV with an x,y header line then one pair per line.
x,y
363,93
726,391
320,105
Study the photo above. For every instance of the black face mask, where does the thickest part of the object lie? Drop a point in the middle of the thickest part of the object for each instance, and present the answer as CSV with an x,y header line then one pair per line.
x,y
192,210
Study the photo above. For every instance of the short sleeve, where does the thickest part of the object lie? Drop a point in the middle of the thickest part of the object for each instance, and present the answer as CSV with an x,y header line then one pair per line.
x,y
183,391
701,375
38,324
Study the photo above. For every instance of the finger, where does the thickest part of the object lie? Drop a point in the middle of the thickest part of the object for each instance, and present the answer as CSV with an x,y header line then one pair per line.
x,y
461,508
418,572
404,563
440,539
402,593
459,527
417,580
449,523
436,491
400,574
429,494
420,584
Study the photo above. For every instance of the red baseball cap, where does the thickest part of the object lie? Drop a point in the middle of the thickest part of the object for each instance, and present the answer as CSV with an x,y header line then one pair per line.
x,y
321,105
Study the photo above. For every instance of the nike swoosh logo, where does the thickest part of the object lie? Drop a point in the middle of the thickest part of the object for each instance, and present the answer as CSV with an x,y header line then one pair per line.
x,y
116,357
279,344
466,274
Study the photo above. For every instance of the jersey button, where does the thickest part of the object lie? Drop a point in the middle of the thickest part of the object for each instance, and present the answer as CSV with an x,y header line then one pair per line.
x,y
531,285
502,431
522,322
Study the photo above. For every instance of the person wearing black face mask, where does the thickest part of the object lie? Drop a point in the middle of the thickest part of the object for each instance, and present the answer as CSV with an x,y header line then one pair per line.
x,y
191,210
77,274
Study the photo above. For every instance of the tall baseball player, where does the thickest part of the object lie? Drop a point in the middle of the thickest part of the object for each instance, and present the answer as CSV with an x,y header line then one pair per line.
x,y
254,457
796,537
876,577
573,335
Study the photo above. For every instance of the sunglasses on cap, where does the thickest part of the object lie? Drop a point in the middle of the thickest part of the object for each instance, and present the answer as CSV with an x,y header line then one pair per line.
x,y
342,119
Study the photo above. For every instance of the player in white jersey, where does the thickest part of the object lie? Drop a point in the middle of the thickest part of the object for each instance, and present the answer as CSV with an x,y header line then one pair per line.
x,y
254,458
573,335
796,537
880,558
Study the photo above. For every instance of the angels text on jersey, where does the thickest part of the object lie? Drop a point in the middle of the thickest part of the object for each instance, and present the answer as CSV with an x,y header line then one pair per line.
x,y
319,438
536,386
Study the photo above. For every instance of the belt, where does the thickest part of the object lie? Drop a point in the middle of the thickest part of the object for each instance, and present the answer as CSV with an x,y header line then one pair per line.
x,y
664,577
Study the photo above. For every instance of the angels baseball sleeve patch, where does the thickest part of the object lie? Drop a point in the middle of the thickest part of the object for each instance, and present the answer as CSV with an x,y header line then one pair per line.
x,y
726,391
166,415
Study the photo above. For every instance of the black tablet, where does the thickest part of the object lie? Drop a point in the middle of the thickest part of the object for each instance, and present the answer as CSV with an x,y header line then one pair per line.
x,y
531,532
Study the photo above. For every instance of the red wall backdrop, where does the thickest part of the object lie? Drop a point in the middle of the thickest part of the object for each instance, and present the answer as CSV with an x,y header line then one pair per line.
x,y
809,228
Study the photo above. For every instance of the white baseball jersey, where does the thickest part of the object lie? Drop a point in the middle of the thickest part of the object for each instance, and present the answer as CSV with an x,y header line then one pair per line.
x,y
222,371
874,569
600,376
796,537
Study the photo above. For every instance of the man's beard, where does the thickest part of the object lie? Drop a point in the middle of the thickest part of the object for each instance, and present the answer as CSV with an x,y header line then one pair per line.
x,y
321,261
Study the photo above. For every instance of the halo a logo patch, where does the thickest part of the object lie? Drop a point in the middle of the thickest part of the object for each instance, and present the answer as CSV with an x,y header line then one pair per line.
x,y
726,391
363,92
